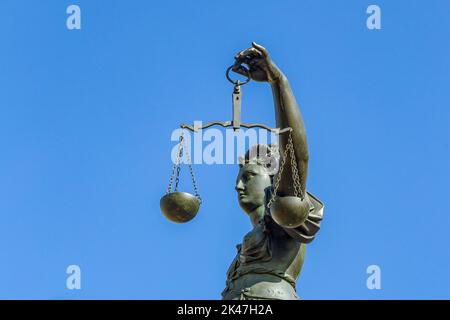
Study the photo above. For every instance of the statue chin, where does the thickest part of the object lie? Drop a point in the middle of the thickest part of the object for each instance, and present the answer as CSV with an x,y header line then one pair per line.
x,y
248,205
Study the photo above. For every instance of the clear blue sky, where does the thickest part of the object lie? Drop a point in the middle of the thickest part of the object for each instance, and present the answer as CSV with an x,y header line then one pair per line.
x,y
86,118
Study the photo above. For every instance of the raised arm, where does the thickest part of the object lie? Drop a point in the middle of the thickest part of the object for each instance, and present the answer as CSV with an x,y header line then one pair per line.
x,y
262,68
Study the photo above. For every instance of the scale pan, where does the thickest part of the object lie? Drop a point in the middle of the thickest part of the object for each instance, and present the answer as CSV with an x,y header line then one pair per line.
x,y
290,212
179,207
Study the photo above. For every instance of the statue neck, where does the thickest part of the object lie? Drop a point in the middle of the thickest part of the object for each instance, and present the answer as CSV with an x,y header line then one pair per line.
x,y
256,215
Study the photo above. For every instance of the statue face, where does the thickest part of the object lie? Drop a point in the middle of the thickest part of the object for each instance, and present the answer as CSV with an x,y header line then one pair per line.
x,y
251,182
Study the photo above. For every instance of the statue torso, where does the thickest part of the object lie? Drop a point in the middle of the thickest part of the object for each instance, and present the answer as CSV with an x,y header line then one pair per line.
x,y
267,264
270,258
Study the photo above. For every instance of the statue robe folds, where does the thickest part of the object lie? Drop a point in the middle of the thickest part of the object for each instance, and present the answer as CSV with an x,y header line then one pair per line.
x,y
269,259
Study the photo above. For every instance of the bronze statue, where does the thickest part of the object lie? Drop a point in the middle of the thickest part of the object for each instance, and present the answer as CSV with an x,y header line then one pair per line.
x,y
270,258
285,217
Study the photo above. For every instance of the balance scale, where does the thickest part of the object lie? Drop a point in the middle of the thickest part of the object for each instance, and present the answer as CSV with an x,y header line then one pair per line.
x,y
181,207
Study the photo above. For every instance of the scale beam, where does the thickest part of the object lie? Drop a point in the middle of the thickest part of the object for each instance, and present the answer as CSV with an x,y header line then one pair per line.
x,y
232,124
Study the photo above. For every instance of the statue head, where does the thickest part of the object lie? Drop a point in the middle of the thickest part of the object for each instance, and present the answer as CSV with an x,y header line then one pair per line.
x,y
256,171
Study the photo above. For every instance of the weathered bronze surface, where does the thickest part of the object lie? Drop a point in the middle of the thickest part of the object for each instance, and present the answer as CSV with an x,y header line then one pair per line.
x,y
285,217
269,259
179,207
298,207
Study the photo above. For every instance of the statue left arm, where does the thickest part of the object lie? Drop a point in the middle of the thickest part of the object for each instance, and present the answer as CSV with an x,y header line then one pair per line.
x,y
288,115
262,68
289,210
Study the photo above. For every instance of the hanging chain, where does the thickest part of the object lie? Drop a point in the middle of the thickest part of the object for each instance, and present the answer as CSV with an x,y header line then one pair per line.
x,y
298,191
176,168
277,180
179,159
191,171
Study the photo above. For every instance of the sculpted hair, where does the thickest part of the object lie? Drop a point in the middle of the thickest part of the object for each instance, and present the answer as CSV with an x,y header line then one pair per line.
x,y
266,155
